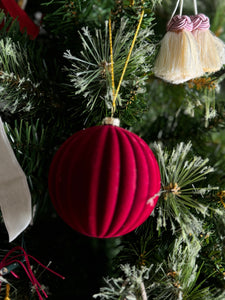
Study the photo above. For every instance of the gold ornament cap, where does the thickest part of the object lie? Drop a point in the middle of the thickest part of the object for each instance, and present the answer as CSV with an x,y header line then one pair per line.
x,y
111,121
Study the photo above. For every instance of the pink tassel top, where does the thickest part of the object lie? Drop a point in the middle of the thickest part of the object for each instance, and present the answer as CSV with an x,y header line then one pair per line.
x,y
200,22
178,23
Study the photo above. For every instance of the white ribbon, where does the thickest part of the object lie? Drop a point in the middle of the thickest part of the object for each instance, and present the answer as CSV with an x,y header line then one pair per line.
x,y
15,199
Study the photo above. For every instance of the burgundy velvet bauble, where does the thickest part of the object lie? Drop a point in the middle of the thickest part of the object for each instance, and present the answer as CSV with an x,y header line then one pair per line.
x,y
101,180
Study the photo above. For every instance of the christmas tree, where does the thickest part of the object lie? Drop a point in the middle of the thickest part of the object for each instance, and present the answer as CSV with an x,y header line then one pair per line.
x,y
71,194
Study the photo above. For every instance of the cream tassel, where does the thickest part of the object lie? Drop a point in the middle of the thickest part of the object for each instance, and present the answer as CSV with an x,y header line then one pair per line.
x,y
212,49
178,59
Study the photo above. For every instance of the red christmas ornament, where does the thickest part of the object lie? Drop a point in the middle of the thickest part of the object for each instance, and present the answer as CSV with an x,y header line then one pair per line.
x,y
14,10
103,181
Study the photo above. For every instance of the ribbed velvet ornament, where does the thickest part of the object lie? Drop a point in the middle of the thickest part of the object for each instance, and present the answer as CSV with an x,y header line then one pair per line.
x,y
104,181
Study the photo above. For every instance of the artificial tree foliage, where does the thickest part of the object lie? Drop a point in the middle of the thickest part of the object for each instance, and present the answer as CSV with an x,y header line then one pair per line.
x,y
61,82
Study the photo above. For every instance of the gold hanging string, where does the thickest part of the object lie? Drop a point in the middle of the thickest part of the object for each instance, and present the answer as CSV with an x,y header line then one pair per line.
x,y
111,55
126,62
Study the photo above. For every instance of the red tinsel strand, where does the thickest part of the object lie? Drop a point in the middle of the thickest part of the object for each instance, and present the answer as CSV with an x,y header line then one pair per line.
x,y
28,270
48,269
15,275
28,255
15,259
30,275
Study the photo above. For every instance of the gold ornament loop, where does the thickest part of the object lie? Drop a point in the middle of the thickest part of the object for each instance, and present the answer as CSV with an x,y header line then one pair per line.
x,y
115,93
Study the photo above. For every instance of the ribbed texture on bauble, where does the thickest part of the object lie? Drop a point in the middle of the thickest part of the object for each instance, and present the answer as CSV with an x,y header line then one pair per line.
x,y
101,179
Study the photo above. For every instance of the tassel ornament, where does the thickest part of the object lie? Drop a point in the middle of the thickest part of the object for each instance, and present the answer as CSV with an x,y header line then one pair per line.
x,y
211,48
178,59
